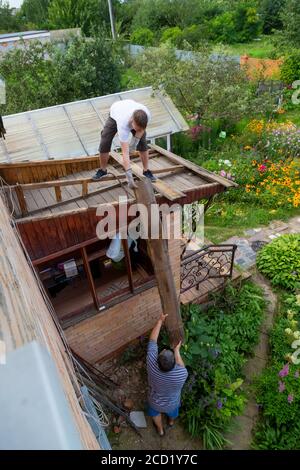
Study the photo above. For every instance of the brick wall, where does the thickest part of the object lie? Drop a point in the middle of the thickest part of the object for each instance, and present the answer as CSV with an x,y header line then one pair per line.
x,y
101,336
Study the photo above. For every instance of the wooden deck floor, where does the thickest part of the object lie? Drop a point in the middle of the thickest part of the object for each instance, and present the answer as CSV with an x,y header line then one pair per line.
x,y
42,202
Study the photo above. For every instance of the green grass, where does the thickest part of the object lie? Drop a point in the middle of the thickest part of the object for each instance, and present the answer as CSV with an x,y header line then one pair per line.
x,y
263,49
227,219
293,115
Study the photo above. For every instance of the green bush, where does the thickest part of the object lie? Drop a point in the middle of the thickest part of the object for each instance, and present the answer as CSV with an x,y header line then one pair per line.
x,y
290,69
173,35
216,346
142,37
280,261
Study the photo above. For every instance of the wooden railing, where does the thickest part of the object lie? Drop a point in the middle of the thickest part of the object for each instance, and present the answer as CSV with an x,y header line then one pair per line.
x,y
84,182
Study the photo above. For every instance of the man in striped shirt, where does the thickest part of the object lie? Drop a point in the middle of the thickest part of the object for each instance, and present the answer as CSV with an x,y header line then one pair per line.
x,y
166,377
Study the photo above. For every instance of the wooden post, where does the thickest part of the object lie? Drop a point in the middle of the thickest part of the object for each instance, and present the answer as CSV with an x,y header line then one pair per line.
x,y
158,249
85,188
128,264
21,199
58,193
90,277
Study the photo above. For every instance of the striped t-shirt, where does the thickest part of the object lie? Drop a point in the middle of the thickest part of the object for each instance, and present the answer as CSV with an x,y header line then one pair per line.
x,y
164,387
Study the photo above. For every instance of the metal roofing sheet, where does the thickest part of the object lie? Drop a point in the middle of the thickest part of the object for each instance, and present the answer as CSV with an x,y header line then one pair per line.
x,y
73,129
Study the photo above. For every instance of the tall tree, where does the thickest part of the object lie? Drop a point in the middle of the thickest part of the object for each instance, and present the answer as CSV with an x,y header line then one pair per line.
x,y
9,22
291,22
35,12
270,11
89,15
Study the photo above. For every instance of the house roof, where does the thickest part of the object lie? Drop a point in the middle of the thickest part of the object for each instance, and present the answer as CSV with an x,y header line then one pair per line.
x,y
7,37
73,130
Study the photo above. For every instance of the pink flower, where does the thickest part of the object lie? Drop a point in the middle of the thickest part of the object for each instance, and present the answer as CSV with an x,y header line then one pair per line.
x,y
297,374
262,168
284,371
290,398
281,386
223,173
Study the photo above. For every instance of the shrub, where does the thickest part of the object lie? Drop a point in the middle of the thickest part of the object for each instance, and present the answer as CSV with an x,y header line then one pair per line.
x,y
280,261
142,37
216,346
290,69
173,35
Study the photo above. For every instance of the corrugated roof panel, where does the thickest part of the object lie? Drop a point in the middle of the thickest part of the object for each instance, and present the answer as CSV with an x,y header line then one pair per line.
x,y
58,135
73,129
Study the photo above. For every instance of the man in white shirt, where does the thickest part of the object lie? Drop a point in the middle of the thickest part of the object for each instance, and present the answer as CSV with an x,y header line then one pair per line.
x,y
129,120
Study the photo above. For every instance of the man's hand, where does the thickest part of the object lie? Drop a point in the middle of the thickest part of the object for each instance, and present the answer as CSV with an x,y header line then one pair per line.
x,y
163,318
177,348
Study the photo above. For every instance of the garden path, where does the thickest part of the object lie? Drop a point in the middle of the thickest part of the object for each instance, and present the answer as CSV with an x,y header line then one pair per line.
x,y
241,435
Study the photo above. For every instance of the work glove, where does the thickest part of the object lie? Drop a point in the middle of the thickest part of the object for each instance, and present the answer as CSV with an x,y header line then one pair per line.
x,y
130,179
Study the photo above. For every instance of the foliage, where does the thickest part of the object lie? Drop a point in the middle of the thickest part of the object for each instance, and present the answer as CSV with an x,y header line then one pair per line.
x,y
215,349
290,69
174,35
9,22
35,12
270,14
91,16
280,261
215,90
142,37
278,388
239,25
42,75
291,23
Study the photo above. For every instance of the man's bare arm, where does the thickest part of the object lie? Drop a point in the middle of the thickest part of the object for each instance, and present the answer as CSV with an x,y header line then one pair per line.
x,y
156,330
178,358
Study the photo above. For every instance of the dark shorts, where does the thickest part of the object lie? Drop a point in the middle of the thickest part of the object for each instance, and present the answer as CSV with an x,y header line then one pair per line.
x,y
108,133
172,414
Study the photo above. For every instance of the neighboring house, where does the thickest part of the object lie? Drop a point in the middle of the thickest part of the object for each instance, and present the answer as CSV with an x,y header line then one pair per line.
x,y
47,160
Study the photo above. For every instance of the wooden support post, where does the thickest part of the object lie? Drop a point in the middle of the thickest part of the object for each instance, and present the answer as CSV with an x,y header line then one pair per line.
x,y
158,249
21,199
128,264
58,193
85,188
90,277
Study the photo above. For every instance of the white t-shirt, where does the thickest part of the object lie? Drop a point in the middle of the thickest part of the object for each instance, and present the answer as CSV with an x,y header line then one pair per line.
x,y
121,112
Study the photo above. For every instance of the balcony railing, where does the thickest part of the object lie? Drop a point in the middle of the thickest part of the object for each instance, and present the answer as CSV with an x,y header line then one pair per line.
x,y
211,262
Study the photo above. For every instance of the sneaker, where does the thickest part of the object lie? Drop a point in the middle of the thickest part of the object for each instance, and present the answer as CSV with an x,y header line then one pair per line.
x,y
149,175
98,175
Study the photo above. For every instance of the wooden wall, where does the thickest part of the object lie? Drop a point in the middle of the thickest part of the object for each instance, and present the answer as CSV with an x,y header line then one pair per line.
x,y
51,235
48,170
25,317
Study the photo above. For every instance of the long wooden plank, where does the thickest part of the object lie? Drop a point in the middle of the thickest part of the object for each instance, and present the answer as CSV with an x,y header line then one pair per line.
x,y
209,176
163,188
66,182
161,262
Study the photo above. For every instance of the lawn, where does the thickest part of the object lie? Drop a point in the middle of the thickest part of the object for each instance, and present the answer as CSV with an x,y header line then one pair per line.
x,y
259,49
